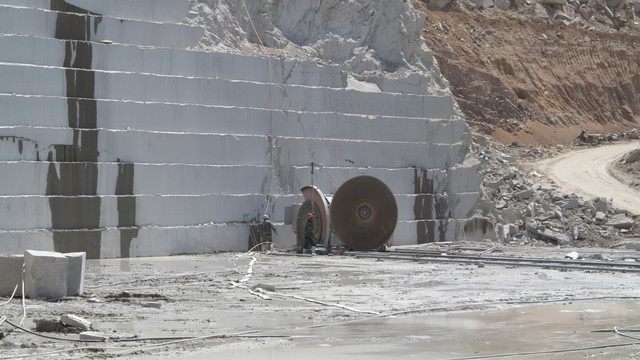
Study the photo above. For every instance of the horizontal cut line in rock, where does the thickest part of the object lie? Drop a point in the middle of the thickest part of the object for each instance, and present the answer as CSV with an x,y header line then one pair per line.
x,y
115,163
158,195
130,101
139,195
57,67
276,136
144,226
291,87
198,61
94,16
334,71
319,166
186,226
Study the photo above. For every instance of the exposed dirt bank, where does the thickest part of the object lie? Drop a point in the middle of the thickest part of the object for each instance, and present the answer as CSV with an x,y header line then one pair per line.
x,y
522,75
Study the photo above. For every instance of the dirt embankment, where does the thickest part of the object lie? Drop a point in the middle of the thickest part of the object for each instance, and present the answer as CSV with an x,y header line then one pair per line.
x,y
522,78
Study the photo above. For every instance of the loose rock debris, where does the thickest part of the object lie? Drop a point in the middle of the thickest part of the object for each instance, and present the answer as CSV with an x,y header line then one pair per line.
x,y
529,210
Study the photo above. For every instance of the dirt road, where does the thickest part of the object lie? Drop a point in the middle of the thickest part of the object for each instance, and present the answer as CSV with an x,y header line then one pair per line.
x,y
587,173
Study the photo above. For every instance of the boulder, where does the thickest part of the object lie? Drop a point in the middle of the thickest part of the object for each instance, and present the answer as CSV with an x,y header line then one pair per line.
x,y
531,209
569,204
513,172
503,4
601,204
75,321
501,204
483,3
494,184
599,217
558,237
557,196
633,157
510,215
524,194
621,221
574,255
546,233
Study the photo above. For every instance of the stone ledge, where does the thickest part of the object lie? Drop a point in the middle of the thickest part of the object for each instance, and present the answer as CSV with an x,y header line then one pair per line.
x,y
40,22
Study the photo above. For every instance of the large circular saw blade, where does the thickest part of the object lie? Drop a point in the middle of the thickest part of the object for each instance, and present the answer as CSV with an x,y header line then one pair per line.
x,y
364,213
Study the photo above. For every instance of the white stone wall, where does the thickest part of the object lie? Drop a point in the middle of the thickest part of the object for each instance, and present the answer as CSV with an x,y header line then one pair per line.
x,y
122,142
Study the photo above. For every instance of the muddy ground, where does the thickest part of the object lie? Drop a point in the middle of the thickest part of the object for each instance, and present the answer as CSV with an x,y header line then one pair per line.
x,y
313,306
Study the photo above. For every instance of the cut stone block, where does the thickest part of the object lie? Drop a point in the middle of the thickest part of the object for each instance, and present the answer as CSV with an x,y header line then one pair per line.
x,y
10,274
75,273
75,321
45,274
53,275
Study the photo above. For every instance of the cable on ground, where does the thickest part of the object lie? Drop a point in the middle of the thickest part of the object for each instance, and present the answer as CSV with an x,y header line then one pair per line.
x,y
24,304
12,295
617,331
559,351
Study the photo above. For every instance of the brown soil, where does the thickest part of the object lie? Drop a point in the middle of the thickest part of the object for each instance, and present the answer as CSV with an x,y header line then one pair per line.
x,y
522,77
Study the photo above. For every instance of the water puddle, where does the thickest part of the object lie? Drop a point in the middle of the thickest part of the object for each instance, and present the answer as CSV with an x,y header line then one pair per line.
x,y
537,330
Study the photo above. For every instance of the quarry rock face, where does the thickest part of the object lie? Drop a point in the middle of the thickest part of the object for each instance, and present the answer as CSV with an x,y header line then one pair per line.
x,y
167,126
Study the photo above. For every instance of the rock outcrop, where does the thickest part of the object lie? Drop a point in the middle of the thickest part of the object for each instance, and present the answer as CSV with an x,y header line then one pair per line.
x,y
168,126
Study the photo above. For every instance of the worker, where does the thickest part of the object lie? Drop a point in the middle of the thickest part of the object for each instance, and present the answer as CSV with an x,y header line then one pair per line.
x,y
309,234
265,231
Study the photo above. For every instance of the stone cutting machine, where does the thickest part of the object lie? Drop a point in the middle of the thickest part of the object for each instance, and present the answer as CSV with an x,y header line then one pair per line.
x,y
361,215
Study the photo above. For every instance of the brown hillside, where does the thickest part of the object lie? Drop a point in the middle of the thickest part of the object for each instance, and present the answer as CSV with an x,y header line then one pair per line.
x,y
521,76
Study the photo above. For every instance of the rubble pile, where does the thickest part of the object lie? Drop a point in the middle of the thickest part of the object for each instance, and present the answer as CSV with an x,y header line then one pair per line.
x,y
529,210
628,169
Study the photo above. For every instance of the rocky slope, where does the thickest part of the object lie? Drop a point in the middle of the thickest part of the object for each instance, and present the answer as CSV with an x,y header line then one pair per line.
x,y
539,71
521,70
528,208
366,38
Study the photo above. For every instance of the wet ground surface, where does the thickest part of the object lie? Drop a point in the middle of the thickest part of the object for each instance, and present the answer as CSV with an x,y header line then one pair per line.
x,y
557,331
340,307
